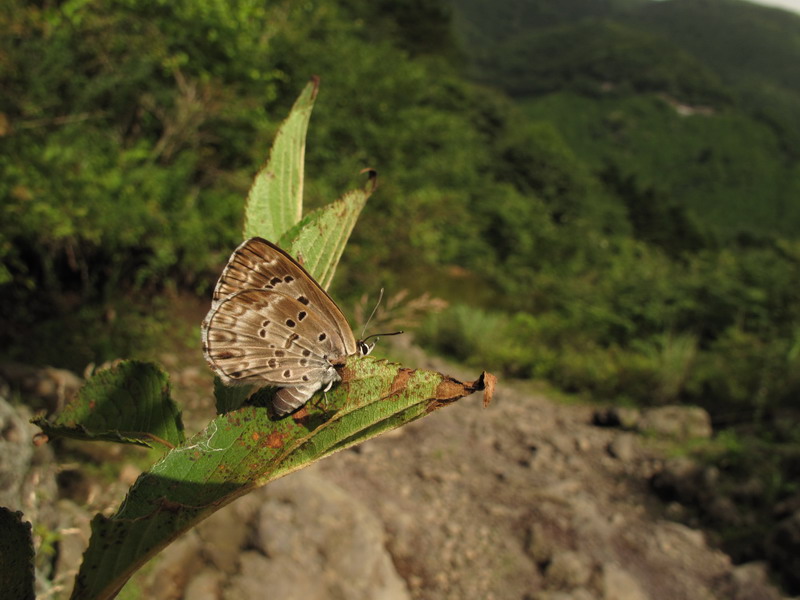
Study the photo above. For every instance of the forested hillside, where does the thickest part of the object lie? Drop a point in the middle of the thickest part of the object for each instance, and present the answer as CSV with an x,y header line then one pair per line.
x,y
698,101
606,192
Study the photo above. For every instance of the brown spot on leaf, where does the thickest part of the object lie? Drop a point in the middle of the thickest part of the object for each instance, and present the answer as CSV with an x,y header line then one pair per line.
x,y
300,415
274,440
400,382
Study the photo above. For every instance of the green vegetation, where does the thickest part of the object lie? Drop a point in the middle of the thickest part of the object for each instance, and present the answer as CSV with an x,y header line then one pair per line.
x,y
612,205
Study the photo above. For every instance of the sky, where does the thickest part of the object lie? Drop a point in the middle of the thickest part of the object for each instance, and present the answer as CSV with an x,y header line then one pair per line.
x,y
793,5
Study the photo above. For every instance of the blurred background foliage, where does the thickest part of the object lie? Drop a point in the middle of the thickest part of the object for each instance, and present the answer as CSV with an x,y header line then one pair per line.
x,y
607,192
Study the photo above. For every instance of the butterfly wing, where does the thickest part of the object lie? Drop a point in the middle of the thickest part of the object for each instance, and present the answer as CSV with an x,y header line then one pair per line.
x,y
266,337
259,264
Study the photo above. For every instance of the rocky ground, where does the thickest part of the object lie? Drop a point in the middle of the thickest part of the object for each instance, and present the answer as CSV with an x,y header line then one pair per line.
x,y
527,499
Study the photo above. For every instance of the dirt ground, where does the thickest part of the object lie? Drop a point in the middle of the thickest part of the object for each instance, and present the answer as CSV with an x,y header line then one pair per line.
x,y
525,499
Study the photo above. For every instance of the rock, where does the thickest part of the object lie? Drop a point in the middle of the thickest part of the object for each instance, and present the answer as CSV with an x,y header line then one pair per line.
x,y
301,537
54,386
618,584
174,568
616,416
749,581
129,473
679,422
284,578
74,531
577,594
343,548
16,454
227,531
206,585
623,447
27,472
677,534
568,570
539,545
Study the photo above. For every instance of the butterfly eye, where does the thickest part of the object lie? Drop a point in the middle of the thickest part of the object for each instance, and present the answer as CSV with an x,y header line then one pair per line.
x,y
364,348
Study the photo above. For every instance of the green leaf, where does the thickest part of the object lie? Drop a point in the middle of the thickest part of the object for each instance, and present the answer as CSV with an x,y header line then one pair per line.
x,y
319,239
230,397
129,403
275,201
247,448
16,556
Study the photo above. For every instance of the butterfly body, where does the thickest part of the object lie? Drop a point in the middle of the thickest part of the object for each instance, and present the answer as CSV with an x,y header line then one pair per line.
x,y
270,323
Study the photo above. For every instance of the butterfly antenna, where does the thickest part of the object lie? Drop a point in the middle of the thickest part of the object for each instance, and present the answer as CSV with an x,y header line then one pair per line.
x,y
374,310
382,334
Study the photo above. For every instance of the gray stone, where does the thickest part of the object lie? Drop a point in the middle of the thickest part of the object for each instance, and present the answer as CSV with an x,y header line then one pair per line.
x,y
576,594
342,547
228,530
749,573
206,585
16,455
74,532
539,546
679,422
568,570
618,584
749,581
174,568
54,386
284,578
623,447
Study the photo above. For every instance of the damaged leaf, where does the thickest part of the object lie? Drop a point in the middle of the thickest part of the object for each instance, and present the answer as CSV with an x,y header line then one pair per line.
x,y
247,448
275,201
129,403
318,240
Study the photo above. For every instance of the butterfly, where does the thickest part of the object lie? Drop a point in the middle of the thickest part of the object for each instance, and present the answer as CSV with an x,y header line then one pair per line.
x,y
270,323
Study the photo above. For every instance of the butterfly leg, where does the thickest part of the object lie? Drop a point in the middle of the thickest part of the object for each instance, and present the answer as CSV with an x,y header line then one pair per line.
x,y
324,401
